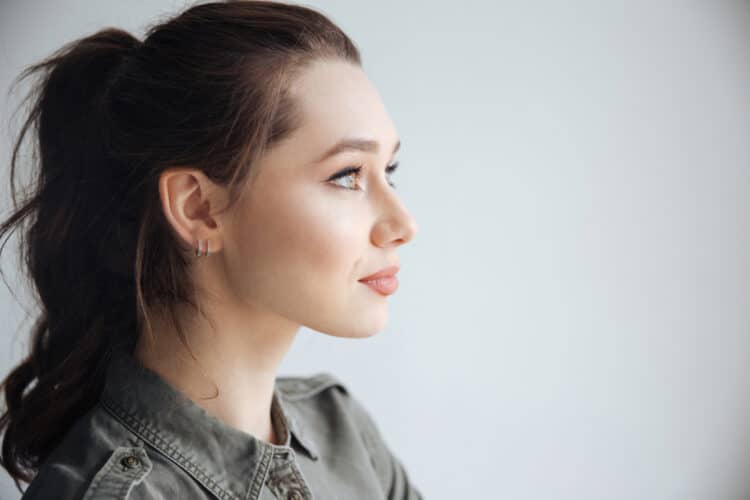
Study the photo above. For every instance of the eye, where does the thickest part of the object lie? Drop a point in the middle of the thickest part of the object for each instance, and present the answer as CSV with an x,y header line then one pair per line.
x,y
354,172
389,170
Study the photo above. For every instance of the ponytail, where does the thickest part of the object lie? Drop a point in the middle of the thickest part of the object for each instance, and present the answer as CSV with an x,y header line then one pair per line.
x,y
63,250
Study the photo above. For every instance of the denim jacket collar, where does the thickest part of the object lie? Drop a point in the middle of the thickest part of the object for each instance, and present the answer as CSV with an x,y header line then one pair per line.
x,y
226,460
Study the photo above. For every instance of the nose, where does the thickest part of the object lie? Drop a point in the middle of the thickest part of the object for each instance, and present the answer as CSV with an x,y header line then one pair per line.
x,y
396,226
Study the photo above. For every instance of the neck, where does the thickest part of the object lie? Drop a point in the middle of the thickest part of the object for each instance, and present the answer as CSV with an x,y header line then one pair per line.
x,y
234,374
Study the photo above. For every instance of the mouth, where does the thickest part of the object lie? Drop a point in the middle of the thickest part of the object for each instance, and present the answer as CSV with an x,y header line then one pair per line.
x,y
384,281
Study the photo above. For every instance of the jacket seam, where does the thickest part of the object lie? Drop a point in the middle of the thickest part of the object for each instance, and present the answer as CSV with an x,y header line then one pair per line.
x,y
126,479
259,479
151,436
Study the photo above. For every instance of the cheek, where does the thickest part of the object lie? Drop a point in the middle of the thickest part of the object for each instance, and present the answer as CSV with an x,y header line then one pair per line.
x,y
301,243
323,241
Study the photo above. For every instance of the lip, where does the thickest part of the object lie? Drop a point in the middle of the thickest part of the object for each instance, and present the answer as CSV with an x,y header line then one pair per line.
x,y
386,272
384,281
384,286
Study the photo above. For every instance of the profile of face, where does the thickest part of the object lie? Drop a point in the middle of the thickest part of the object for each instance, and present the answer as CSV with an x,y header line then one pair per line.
x,y
298,242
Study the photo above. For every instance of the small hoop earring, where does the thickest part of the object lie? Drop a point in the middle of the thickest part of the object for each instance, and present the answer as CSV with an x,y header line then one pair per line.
x,y
198,249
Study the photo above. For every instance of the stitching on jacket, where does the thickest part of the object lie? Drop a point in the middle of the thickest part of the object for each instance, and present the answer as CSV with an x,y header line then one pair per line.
x,y
123,480
170,451
260,478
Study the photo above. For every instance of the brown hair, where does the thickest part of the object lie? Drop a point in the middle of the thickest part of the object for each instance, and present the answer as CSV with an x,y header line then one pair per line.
x,y
209,88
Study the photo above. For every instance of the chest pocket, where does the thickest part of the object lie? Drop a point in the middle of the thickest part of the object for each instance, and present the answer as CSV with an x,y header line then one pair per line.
x,y
126,467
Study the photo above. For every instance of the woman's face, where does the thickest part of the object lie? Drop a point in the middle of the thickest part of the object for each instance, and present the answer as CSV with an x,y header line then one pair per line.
x,y
298,243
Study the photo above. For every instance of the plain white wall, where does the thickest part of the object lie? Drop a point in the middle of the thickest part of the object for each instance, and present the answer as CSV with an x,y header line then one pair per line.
x,y
573,316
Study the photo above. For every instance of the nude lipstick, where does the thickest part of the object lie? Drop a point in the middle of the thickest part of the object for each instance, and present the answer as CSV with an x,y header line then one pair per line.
x,y
384,281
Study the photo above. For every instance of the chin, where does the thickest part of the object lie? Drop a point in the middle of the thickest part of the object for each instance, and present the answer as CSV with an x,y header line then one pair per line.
x,y
355,332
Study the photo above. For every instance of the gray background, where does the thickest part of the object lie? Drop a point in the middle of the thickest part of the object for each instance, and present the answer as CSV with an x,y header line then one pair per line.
x,y
572,321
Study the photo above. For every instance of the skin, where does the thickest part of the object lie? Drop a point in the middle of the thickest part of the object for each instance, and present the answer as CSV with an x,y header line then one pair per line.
x,y
289,254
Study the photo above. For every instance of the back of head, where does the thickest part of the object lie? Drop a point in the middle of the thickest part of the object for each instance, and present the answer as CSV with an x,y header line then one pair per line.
x,y
107,115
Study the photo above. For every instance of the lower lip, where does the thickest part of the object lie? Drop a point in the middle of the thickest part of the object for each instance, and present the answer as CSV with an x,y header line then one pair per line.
x,y
384,286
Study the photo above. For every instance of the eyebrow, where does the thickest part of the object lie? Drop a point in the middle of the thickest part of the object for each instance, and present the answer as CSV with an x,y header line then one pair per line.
x,y
354,144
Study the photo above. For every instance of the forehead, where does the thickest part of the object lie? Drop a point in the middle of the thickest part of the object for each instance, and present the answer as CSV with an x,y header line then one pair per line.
x,y
336,100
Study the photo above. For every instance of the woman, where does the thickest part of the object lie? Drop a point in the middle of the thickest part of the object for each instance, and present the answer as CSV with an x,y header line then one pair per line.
x,y
201,195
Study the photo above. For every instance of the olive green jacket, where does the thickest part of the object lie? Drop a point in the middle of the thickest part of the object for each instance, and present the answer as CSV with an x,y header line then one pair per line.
x,y
146,440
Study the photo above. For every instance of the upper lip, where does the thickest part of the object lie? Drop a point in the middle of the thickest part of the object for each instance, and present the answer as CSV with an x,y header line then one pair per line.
x,y
386,271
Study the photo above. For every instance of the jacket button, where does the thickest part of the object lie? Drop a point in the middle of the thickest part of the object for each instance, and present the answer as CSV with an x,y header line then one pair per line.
x,y
295,495
130,461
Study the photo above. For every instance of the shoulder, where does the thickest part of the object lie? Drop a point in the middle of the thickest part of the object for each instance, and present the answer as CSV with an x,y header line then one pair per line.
x,y
296,388
96,453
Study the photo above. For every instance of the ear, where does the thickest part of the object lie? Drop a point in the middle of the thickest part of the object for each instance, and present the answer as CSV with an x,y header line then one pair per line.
x,y
190,202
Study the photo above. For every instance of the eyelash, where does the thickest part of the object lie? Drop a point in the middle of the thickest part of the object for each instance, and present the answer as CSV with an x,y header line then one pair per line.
x,y
356,170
